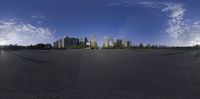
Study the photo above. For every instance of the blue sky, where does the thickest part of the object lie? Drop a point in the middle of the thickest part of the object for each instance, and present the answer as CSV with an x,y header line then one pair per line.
x,y
27,22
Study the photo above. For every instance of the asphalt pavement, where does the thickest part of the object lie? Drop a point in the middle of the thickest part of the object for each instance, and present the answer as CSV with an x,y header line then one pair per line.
x,y
100,74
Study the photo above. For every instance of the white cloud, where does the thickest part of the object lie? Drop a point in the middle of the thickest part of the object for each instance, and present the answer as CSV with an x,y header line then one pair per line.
x,y
14,32
124,3
182,31
176,21
148,4
38,17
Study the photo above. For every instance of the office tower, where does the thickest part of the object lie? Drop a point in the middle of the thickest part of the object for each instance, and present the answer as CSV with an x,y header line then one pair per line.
x,y
60,43
74,41
111,42
63,43
93,42
67,42
124,42
105,41
54,44
108,42
83,41
57,44
129,43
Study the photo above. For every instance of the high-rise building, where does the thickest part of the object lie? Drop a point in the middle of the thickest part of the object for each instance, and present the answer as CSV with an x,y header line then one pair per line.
x,y
74,41
105,41
93,42
67,42
63,43
124,42
60,43
83,40
54,44
111,42
129,43
108,42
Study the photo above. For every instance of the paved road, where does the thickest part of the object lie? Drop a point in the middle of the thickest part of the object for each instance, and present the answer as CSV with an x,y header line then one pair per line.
x,y
100,74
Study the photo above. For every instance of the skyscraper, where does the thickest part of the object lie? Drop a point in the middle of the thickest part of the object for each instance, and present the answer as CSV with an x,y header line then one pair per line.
x,y
63,43
108,42
111,42
67,42
60,43
105,41
74,41
55,44
93,42
83,40
124,42
129,43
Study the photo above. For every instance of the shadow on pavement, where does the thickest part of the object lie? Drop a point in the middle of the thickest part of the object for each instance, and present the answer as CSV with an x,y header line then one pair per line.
x,y
40,76
37,51
32,60
176,53
197,55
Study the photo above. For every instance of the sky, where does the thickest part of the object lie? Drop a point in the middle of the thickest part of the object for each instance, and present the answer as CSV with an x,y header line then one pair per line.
x,y
166,22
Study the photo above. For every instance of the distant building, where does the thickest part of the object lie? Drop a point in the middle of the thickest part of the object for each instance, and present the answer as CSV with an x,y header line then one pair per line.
x,y
68,42
111,42
63,43
108,42
83,40
93,42
105,41
74,41
60,43
56,44
129,44
124,42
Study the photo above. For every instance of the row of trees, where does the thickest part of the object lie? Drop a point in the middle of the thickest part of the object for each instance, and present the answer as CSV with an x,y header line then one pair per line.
x,y
18,47
12,47
149,46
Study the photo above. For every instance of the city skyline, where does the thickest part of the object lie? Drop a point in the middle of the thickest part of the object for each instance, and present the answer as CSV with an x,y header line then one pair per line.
x,y
67,42
174,23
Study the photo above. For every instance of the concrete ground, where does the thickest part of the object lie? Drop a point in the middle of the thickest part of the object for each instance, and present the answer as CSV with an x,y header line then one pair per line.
x,y
100,74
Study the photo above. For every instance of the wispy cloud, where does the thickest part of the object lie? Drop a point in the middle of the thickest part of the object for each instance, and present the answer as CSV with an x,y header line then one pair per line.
x,y
122,3
149,4
14,32
38,17
181,30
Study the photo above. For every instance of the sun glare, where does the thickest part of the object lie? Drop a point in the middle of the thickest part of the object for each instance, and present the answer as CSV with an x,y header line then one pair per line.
x,y
2,43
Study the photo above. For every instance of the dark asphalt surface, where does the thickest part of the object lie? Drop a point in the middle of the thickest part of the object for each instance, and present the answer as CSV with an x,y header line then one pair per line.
x,y
100,74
